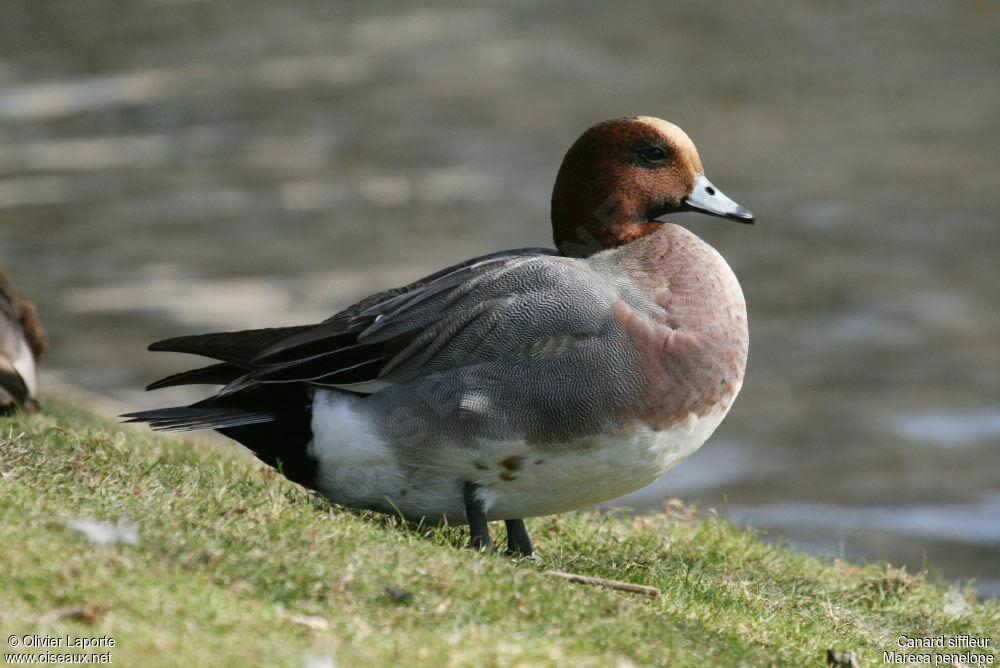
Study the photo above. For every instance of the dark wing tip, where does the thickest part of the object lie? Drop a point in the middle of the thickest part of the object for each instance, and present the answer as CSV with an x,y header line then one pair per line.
x,y
215,374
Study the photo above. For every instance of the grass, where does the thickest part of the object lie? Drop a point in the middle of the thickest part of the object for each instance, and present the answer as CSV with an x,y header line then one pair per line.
x,y
236,566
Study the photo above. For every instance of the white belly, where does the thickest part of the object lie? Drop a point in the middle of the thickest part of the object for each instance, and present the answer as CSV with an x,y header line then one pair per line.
x,y
516,479
599,469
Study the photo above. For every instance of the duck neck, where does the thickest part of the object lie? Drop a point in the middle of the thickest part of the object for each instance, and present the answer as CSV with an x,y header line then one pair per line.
x,y
608,213
582,226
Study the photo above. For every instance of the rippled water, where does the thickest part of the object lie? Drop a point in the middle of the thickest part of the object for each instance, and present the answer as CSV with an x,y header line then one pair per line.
x,y
178,166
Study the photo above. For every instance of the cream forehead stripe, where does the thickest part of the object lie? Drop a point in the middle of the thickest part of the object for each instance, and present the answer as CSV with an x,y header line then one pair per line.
x,y
668,130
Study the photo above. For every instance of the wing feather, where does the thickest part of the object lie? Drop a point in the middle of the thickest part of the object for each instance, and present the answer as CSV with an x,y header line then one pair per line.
x,y
512,303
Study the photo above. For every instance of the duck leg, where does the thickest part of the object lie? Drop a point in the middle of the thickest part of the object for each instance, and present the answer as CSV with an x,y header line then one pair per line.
x,y
518,541
474,512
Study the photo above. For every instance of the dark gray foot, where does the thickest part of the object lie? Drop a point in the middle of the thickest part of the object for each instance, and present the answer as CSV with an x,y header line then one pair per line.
x,y
518,542
474,512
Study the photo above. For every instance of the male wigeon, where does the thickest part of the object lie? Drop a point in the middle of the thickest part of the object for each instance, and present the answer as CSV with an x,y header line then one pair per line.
x,y
22,344
521,383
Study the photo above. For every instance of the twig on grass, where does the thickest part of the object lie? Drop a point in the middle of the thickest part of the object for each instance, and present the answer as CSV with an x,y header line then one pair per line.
x,y
652,592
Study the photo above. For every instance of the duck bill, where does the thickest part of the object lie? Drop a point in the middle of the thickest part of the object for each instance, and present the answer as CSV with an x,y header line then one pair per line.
x,y
706,198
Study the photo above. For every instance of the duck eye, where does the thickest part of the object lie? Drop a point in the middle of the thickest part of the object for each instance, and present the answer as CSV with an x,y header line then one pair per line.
x,y
653,153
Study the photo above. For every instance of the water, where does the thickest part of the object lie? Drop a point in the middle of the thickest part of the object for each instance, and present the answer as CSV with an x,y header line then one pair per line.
x,y
177,166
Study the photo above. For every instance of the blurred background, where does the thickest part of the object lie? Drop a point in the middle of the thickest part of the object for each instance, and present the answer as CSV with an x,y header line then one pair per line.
x,y
170,167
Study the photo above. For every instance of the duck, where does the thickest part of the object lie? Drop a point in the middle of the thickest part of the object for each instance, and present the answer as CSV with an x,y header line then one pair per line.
x,y
521,383
23,341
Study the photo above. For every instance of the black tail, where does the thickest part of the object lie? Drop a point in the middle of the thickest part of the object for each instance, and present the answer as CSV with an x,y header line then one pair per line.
x,y
273,420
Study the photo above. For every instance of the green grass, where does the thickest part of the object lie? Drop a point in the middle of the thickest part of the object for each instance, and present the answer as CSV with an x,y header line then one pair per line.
x,y
237,566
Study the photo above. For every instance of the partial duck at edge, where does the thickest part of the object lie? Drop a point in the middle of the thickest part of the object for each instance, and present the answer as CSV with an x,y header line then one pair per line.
x,y
22,343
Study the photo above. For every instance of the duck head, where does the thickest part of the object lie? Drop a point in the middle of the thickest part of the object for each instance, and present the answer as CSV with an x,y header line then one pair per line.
x,y
620,176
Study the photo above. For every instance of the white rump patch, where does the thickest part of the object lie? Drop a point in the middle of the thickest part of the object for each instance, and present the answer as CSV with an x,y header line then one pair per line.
x,y
340,435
